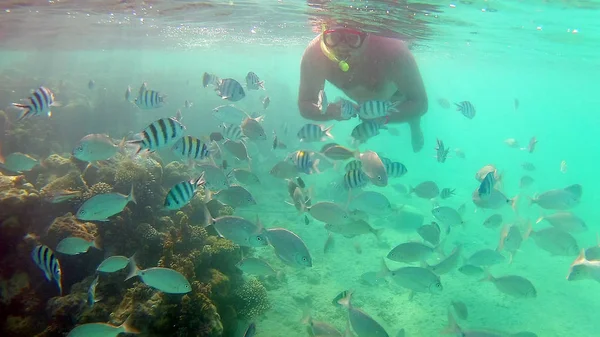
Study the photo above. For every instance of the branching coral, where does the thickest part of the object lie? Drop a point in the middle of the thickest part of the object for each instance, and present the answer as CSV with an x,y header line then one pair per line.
x,y
252,299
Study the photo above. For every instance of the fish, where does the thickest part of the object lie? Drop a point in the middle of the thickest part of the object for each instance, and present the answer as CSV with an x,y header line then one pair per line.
x,y
395,169
416,279
531,145
306,220
444,103
229,114
251,330
19,162
191,148
289,247
371,202
355,179
256,266
166,280
230,89
471,270
493,221
329,212
353,227
39,103
430,233
210,79
214,176
59,196
486,186
583,269
371,279
367,130
216,136
266,102
159,134
149,99
102,206
252,128
253,82
241,231
113,264
485,257
566,221
448,263
426,190
466,108
441,152
329,243
513,285
408,252
559,199
353,165
376,109
305,161
525,181
102,330
322,103
182,193
495,200
245,176
96,147
91,295
237,149
510,240
528,166
187,104
321,329
454,329
362,324
284,169
300,182
447,215
277,144
338,297
447,193
235,196
512,143
75,245
373,167
593,253
232,132
314,133
554,241
91,84
460,308
348,109
563,166
45,260
128,94
460,153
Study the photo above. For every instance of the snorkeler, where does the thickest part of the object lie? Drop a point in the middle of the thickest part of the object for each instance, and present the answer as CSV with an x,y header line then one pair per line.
x,y
365,67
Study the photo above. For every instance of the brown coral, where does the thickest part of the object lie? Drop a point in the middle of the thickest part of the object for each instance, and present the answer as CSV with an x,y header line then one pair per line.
x,y
16,196
66,226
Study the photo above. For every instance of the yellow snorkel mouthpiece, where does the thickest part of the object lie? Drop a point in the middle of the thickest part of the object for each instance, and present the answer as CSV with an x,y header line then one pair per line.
x,y
344,66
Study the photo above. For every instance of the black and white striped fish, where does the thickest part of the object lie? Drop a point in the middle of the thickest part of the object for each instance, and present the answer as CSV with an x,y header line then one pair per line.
x,y
38,103
322,102
466,108
353,165
45,260
348,108
232,132
230,89
149,99
355,179
447,193
314,133
305,161
159,134
395,169
253,82
376,109
367,130
486,186
208,79
192,148
441,152
181,194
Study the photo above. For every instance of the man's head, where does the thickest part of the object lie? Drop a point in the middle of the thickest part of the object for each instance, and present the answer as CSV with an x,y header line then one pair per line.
x,y
344,43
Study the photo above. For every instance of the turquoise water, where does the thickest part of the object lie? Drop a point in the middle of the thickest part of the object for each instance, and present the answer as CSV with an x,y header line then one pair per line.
x,y
521,51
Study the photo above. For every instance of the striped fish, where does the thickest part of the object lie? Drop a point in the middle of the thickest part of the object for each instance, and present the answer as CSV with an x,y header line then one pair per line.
x,y
210,79
91,295
232,132
314,133
348,109
230,89
395,169
159,134
181,194
253,82
353,165
376,109
191,148
149,99
447,193
39,103
486,186
441,152
367,130
355,179
304,161
45,260
385,160
466,108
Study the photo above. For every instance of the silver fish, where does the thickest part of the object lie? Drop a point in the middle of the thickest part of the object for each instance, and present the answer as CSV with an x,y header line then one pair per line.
x,y
559,199
96,147
19,162
256,266
363,324
513,285
485,257
410,252
426,190
102,206
235,196
289,247
163,279
448,264
75,245
241,231
113,264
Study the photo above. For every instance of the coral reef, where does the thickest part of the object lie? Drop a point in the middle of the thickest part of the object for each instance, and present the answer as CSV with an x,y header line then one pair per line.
x,y
16,196
97,188
175,172
66,226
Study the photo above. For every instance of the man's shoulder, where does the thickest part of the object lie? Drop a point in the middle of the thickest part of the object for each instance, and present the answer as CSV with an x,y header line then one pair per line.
x,y
389,46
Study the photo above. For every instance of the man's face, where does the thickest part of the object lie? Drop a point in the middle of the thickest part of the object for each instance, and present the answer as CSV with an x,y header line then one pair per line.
x,y
344,42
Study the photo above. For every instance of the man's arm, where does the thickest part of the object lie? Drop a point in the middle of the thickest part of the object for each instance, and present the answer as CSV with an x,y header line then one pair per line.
x,y
312,81
408,79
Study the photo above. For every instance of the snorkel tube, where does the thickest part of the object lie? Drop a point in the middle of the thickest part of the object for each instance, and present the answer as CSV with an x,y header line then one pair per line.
x,y
344,66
